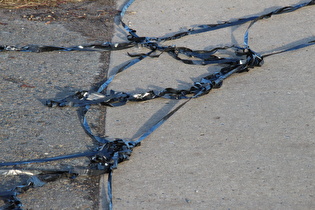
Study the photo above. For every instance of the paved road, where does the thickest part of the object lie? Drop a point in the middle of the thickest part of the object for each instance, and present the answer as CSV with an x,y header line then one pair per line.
x,y
247,145
28,128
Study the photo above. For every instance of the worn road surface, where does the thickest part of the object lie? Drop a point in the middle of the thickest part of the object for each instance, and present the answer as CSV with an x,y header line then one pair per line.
x,y
248,145
29,129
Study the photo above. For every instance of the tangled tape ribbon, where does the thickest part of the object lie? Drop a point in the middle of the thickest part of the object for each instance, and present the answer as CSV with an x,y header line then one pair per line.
x,y
110,152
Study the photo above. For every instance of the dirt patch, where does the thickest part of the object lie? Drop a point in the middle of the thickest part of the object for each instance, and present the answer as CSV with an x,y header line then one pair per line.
x,y
17,4
94,19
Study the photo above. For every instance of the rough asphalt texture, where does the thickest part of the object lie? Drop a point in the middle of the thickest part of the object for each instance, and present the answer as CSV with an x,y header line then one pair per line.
x,y
28,128
247,145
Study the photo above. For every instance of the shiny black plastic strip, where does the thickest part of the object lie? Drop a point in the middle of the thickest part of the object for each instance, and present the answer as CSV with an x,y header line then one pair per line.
x,y
82,116
159,123
222,24
135,39
106,46
110,152
246,59
275,12
82,111
109,189
300,46
132,32
104,160
86,154
10,198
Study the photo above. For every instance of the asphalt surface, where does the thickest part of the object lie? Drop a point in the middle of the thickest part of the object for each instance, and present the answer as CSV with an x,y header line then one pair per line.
x,y
28,128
